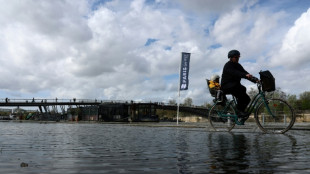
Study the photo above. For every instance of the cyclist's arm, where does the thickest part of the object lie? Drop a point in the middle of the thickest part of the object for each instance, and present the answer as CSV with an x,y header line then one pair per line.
x,y
235,71
240,72
253,79
249,76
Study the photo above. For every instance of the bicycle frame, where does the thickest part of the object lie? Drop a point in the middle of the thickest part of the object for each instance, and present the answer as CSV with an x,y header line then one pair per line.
x,y
258,99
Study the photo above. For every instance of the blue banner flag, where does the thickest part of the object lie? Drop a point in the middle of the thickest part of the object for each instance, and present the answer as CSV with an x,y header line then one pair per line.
x,y
184,70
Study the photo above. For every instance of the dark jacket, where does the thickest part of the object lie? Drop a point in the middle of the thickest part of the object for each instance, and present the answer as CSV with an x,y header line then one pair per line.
x,y
232,74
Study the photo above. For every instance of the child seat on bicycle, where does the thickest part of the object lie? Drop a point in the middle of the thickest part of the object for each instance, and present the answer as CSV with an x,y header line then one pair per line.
x,y
214,88
214,82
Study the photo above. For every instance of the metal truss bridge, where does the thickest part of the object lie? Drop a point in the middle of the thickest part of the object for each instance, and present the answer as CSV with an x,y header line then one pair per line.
x,y
47,105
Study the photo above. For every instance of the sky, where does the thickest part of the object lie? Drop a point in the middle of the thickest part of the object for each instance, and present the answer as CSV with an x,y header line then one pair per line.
x,y
131,49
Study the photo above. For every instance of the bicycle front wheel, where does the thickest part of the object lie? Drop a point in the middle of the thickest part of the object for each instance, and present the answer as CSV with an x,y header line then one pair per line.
x,y
274,116
219,118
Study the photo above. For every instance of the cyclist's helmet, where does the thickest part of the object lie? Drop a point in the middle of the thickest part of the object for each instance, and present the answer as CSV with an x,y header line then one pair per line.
x,y
214,77
233,53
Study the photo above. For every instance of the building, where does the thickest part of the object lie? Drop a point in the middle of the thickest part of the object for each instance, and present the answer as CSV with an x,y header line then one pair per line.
x,y
137,112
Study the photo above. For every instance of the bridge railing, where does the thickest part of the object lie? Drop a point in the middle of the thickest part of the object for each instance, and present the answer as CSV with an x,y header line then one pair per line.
x,y
81,101
56,100
42,100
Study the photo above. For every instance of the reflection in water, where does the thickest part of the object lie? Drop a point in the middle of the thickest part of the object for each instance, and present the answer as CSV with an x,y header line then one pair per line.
x,y
182,150
228,152
117,148
257,153
273,152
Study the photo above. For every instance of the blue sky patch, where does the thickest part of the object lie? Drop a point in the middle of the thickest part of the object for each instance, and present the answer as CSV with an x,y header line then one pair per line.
x,y
146,79
171,77
168,48
150,41
150,1
98,3
214,46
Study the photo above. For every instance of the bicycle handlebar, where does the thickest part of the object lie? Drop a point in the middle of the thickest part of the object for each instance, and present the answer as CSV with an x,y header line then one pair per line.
x,y
254,80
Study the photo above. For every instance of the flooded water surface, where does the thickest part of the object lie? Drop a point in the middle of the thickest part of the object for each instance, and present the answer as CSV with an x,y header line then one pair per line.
x,y
123,148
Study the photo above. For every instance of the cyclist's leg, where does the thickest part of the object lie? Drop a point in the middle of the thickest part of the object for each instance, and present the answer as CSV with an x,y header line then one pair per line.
x,y
239,92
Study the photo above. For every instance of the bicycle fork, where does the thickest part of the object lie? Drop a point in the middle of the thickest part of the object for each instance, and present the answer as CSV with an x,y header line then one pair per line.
x,y
266,103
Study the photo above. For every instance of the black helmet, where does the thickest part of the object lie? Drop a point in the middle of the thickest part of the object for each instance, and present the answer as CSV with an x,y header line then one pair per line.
x,y
233,53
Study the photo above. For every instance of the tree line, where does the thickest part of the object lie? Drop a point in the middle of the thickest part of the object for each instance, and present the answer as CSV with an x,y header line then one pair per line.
x,y
301,103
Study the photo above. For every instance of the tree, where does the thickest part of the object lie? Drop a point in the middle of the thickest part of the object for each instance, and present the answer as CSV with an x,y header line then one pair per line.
x,y
278,93
207,105
292,100
172,102
305,100
253,92
188,101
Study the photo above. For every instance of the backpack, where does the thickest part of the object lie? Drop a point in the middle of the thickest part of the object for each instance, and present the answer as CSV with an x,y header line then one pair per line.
x,y
267,80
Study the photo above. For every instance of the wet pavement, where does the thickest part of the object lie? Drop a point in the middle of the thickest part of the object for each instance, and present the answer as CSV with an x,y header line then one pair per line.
x,y
149,148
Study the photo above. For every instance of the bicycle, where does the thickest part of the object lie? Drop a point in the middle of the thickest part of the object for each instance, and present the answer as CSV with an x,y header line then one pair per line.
x,y
272,115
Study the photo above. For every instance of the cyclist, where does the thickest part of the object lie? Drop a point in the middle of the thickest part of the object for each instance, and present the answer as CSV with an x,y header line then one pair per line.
x,y
230,83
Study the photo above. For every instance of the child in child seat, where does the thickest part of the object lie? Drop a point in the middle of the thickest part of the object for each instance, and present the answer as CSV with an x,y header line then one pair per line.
x,y
215,82
214,86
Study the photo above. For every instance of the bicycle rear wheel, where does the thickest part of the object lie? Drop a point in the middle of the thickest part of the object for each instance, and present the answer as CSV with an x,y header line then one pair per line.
x,y
219,118
277,116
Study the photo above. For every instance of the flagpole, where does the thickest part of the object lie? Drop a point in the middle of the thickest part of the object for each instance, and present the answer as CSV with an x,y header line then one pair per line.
x,y
178,109
183,77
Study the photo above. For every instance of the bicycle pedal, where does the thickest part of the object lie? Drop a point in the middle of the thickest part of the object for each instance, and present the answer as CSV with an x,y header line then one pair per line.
x,y
241,121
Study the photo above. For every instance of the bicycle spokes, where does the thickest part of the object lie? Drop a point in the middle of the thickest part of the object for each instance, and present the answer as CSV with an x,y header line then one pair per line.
x,y
274,116
220,118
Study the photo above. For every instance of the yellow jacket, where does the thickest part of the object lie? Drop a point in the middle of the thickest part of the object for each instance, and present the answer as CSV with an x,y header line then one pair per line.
x,y
214,85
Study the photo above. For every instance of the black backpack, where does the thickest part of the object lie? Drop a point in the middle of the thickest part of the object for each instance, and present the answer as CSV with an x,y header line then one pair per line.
x,y
267,80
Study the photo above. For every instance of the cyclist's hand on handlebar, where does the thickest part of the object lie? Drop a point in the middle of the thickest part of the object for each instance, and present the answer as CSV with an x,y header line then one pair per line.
x,y
254,79
249,76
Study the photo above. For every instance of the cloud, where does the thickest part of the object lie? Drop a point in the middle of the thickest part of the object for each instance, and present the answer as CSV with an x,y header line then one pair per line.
x,y
126,49
209,6
117,56
294,52
250,31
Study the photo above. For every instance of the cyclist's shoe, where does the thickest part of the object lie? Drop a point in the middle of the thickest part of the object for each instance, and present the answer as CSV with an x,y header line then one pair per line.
x,y
240,120
243,115
244,119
